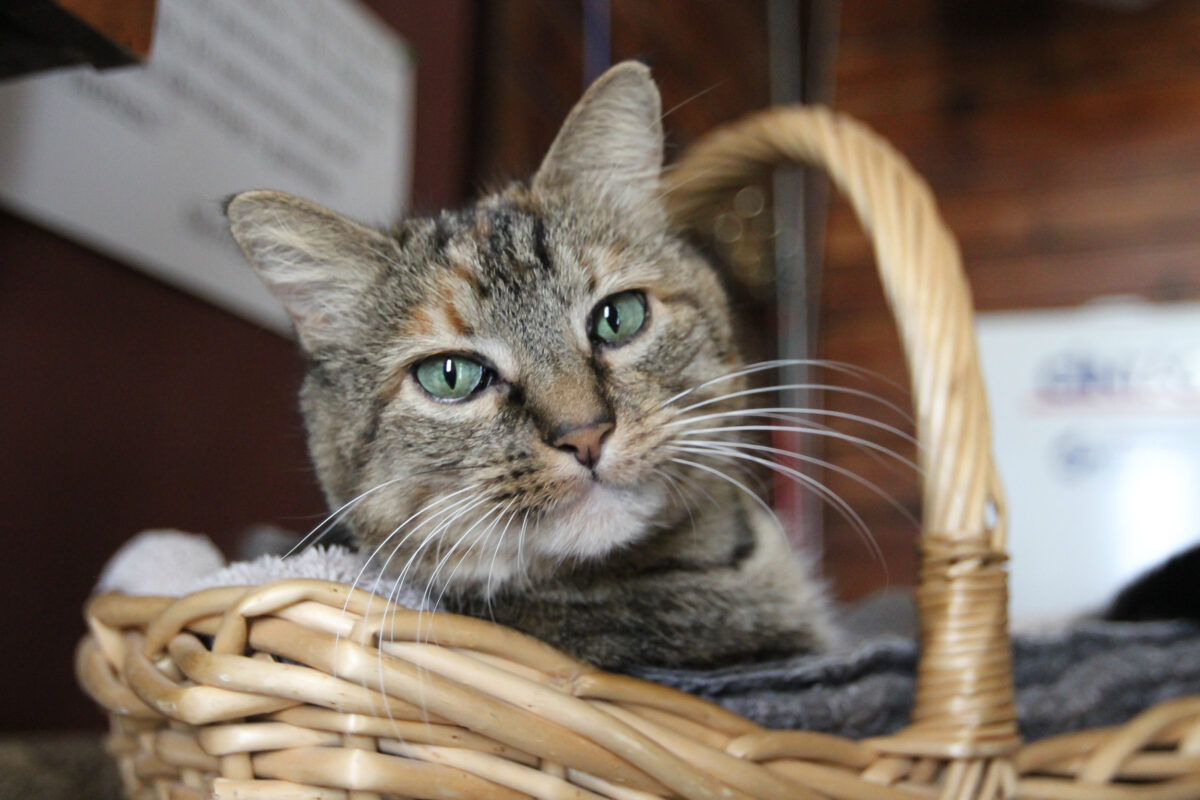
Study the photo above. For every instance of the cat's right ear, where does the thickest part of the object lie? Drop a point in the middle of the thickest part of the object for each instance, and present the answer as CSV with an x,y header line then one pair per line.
x,y
317,263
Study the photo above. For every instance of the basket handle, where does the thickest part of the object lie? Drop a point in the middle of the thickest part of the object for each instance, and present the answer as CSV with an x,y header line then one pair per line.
x,y
964,702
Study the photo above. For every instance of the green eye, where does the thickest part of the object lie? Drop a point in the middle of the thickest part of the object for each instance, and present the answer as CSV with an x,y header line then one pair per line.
x,y
618,317
448,377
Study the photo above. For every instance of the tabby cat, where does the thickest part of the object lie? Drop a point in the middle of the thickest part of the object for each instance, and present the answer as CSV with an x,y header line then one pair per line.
x,y
514,404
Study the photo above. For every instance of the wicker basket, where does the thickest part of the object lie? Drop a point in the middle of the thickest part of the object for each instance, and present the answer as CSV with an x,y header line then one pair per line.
x,y
308,691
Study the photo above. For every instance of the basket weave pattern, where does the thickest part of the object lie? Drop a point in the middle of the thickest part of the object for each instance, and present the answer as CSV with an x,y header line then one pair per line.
x,y
310,690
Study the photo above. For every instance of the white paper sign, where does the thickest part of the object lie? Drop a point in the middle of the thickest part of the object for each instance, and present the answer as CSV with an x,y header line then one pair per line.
x,y
310,96
1096,421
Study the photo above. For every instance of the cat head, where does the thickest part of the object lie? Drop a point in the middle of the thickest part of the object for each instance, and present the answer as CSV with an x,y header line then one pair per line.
x,y
495,391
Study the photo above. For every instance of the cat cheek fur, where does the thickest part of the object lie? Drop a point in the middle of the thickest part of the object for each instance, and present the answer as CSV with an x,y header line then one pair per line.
x,y
640,559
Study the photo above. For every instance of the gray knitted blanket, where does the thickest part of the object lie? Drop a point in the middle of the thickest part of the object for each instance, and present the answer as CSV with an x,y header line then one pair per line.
x,y
1090,675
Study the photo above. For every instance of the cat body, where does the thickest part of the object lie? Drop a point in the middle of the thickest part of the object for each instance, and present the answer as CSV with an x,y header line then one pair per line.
x,y
514,404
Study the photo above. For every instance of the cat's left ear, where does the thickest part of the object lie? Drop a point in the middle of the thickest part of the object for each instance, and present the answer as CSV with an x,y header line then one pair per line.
x,y
610,149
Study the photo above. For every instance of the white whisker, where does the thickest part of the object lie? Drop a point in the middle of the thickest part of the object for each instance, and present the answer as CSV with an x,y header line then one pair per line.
x,y
868,448
873,487
366,563
458,540
434,535
492,566
400,527
521,546
725,477
336,516
676,492
822,386
684,102
822,491
358,577
796,429
479,538
835,366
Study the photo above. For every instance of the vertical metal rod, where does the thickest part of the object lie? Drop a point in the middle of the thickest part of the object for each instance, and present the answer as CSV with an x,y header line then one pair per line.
x,y
798,510
597,39
799,73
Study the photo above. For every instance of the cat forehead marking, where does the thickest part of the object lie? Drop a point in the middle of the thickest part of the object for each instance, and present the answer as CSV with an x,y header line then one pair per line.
x,y
444,311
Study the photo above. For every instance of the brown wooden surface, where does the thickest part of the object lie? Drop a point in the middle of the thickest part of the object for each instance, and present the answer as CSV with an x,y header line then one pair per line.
x,y
1061,140
126,404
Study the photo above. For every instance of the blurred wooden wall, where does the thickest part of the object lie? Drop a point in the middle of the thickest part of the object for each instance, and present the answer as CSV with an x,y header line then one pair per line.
x,y
1062,140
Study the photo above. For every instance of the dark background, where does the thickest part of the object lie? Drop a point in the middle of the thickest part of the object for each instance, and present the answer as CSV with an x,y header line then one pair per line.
x,y
1062,139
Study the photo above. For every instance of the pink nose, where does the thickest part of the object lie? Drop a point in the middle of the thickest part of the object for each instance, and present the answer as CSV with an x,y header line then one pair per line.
x,y
585,442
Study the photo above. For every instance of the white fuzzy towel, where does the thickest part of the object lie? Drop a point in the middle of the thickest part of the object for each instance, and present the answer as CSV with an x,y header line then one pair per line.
x,y
174,563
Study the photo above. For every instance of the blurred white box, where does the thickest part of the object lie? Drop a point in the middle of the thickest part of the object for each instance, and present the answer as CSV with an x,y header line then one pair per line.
x,y
1096,422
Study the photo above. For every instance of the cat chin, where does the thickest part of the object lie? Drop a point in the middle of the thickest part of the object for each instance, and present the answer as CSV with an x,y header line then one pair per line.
x,y
602,519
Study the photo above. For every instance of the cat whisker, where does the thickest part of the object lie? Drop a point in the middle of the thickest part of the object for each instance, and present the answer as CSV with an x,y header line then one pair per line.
x,y
825,387
673,488
801,428
521,547
390,603
492,566
433,577
799,424
429,538
470,501
442,470
824,492
744,489
752,495
868,448
676,494
842,367
374,590
335,517
750,476
824,464
458,540
693,98
479,538
696,487
427,507
484,534
448,514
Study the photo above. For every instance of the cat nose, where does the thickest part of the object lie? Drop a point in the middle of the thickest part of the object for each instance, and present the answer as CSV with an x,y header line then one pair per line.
x,y
584,441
